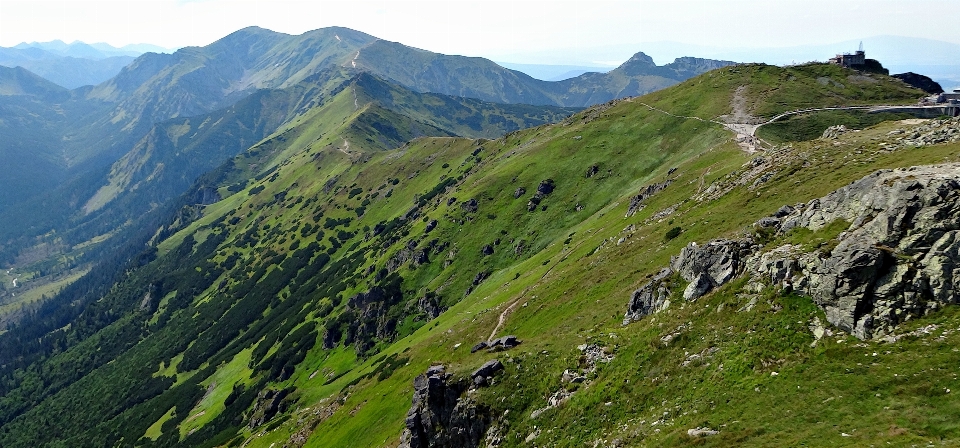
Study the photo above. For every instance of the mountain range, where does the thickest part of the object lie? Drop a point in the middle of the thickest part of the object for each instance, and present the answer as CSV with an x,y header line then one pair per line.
x,y
95,127
75,64
335,240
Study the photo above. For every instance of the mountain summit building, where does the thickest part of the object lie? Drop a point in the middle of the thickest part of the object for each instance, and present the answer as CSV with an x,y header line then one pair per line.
x,y
850,60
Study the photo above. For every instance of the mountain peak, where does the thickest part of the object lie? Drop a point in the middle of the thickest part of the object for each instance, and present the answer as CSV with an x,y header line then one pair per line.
x,y
638,64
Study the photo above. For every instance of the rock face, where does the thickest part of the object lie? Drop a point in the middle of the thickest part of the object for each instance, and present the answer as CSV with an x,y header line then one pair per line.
x,y
441,416
834,132
900,257
705,267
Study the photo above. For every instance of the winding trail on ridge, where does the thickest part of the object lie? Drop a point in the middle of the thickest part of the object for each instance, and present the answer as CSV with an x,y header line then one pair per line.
x,y
746,131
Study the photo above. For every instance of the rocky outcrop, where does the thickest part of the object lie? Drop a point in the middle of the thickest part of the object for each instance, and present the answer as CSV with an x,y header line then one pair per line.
x,y
441,415
484,375
637,202
921,82
592,171
470,206
704,267
546,187
897,260
933,132
710,265
269,403
834,132
498,344
652,297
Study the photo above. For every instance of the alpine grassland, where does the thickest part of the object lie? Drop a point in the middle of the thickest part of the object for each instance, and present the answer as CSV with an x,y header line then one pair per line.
x,y
362,243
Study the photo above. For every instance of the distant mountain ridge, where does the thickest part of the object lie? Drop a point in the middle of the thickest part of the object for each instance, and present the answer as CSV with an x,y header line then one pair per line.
x,y
95,51
76,64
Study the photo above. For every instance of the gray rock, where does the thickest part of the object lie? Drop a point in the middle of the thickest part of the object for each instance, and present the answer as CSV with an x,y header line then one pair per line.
x,y
769,222
479,346
698,287
487,370
652,297
441,415
720,260
470,206
702,432
784,211
520,191
504,342
637,202
480,277
834,131
899,259
546,187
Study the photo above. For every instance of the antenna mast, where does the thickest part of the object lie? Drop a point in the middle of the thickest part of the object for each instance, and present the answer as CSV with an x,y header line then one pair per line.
x,y
861,46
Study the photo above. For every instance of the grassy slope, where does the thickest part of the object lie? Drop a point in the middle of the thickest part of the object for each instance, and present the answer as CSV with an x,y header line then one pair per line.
x,y
570,279
572,292
562,311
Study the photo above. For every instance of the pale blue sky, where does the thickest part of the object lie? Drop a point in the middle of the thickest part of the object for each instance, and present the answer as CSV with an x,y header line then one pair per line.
x,y
490,28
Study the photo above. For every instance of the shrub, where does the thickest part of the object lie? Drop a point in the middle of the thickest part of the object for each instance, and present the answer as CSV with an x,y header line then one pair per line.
x,y
672,233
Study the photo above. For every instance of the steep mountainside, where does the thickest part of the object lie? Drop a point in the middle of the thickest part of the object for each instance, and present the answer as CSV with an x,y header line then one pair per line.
x,y
370,113
104,122
29,149
304,307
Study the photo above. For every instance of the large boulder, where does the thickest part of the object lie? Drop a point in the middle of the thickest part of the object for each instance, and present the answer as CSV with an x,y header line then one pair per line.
x,y
482,375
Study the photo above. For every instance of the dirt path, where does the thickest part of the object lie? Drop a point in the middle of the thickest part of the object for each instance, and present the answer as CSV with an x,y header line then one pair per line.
x,y
744,125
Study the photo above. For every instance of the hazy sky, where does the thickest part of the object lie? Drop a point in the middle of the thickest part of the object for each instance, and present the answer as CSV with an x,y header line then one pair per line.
x,y
488,28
